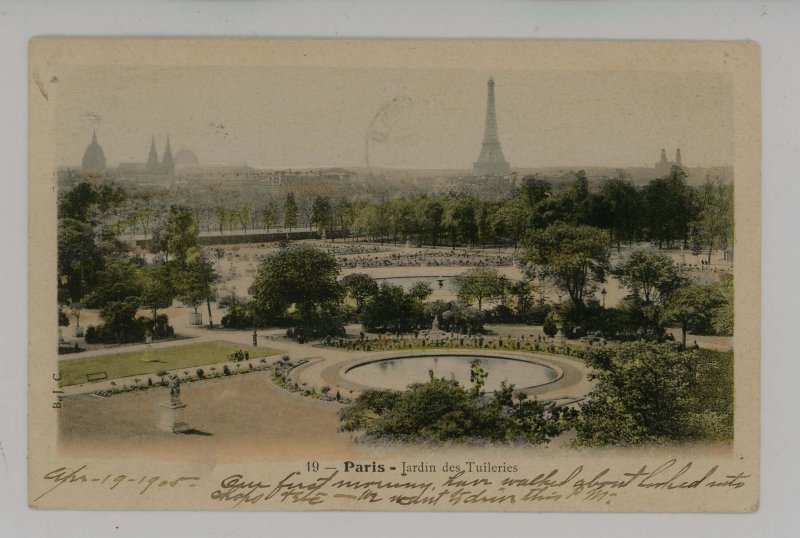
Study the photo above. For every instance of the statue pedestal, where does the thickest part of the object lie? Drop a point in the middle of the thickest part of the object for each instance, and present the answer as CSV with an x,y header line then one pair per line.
x,y
172,417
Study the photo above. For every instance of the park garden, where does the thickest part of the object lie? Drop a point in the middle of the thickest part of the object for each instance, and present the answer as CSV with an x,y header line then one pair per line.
x,y
625,278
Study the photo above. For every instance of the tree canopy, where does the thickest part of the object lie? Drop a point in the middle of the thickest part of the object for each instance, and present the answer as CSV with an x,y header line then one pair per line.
x,y
693,307
574,257
441,410
290,211
649,275
619,208
713,227
79,258
85,201
654,393
178,238
669,208
361,288
157,288
478,285
322,213
301,276
195,283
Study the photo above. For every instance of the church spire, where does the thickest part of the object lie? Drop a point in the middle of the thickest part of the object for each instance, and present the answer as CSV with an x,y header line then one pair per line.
x,y
167,163
152,159
491,161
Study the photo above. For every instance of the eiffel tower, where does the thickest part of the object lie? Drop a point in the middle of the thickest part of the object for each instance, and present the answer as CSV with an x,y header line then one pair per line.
x,y
491,161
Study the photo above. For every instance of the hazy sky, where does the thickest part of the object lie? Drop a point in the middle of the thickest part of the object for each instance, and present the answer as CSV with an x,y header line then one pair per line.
x,y
318,117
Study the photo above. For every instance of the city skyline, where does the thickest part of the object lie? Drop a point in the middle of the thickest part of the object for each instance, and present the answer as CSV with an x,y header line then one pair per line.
x,y
411,119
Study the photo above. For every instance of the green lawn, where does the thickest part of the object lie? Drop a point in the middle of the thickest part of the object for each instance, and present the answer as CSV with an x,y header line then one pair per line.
x,y
150,361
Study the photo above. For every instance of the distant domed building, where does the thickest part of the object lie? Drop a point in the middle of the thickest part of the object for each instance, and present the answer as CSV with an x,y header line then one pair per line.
x,y
186,157
94,160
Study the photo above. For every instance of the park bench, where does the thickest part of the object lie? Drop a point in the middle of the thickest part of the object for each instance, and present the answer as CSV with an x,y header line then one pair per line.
x,y
96,376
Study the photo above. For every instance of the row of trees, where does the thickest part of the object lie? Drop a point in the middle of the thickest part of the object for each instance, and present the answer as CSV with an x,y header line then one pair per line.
x,y
665,211
576,259
216,210
300,286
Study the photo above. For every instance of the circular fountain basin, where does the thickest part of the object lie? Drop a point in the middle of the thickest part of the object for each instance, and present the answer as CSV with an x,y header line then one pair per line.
x,y
398,372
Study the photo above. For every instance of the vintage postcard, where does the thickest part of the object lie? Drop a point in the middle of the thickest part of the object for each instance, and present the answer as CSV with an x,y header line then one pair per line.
x,y
394,275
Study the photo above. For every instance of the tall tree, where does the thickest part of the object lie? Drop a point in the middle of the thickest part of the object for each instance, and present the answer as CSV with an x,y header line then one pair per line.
x,y
78,257
575,258
693,306
361,287
713,228
621,206
382,218
195,284
478,285
434,217
344,214
243,216
365,220
157,288
268,216
221,215
401,218
462,221
575,202
485,228
117,281
302,276
522,292
420,290
669,208
290,211
393,309
178,238
513,219
649,275
321,213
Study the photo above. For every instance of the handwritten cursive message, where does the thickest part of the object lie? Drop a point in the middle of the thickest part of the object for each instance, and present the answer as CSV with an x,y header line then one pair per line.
x,y
82,476
424,485
464,487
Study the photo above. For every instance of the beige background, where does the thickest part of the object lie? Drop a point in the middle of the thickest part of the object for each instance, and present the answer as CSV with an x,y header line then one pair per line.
x,y
739,61
315,115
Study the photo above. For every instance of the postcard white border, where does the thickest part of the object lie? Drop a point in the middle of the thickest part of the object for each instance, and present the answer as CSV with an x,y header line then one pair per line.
x,y
717,20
